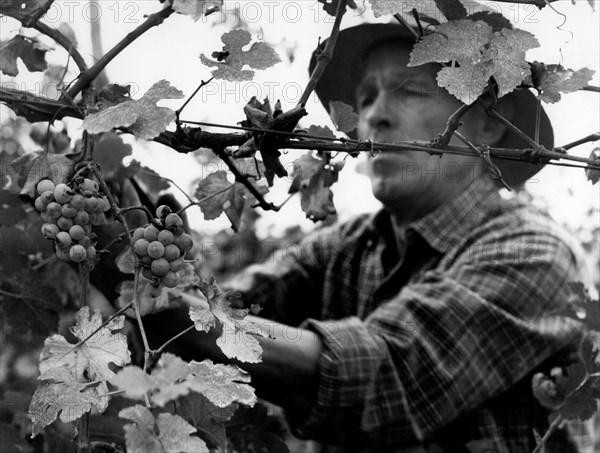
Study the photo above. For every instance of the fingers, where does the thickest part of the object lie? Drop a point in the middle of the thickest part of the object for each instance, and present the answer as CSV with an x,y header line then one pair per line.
x,y
546,391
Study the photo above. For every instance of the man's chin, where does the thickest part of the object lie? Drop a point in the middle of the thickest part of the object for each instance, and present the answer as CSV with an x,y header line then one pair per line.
x,y
391,194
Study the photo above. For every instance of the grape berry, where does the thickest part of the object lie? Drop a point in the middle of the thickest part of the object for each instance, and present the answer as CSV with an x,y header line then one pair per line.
x,y
69,211
161,247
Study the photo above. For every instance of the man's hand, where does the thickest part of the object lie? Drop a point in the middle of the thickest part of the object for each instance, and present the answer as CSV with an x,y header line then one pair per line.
x,y
551,389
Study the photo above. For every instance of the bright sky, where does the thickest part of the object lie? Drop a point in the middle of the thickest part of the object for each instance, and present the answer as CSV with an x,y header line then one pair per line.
x,y
171,52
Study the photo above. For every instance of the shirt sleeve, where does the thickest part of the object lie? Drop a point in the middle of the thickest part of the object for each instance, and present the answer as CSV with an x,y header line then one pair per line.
x,y
443,345
288,284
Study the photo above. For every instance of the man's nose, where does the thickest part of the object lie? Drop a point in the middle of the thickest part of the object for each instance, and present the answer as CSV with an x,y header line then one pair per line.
x,y
380,114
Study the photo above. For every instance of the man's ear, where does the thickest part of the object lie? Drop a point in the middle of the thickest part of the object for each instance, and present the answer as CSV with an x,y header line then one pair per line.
x,y
488,130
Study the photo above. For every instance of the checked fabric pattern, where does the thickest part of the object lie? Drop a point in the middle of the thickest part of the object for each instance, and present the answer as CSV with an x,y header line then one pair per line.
x,y
435,344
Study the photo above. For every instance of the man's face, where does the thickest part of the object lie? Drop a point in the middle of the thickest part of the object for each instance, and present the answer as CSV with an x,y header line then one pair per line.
x,y
397,103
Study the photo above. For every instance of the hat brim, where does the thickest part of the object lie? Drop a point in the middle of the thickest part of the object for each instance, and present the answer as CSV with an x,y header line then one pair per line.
x,y
342,74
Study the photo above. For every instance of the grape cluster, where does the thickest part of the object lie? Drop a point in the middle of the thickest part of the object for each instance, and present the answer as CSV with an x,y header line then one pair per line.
x,y
69,213
161,247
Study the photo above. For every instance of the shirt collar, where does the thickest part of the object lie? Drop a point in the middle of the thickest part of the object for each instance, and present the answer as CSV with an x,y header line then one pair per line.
x,y
447,225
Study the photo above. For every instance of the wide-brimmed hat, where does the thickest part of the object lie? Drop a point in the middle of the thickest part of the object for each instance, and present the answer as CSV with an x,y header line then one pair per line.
x,y
343,73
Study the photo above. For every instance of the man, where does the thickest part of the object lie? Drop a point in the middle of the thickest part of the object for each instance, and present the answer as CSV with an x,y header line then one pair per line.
x,y
420,325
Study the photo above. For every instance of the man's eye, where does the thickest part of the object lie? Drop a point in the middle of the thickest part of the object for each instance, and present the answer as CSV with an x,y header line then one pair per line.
x,y
410,91
365,95
364,101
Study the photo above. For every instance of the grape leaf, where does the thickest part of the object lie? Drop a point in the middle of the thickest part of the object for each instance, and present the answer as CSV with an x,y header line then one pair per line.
x,y
26,11
330,6
92,358
32,54
495,20
480,53
589,351
167,433
451,9
317,198
594,175
70,399
34,310
321,131
383,7
224,197
142,117
507,51
197,8
261,116
164,384
466,82
111,95
261,430
460,40
343,116
26,171
259,56
109,153
304,168
207,418
313,177
126,261
238,337
221,384
250,167
582,403
152,182
551,80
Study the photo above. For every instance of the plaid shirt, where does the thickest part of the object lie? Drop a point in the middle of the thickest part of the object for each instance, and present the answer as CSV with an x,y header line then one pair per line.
x,y
437,343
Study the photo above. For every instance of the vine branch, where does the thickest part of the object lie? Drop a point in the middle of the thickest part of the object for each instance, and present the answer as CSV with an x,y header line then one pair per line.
x,y
190,139
325,56
452,125
407,26
180,109
29,21
531,142
139,208
590,138
202,200
591,88
64,42
118,212
485,156
166,343
138,317
88,76
555,424
539,3
242,179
